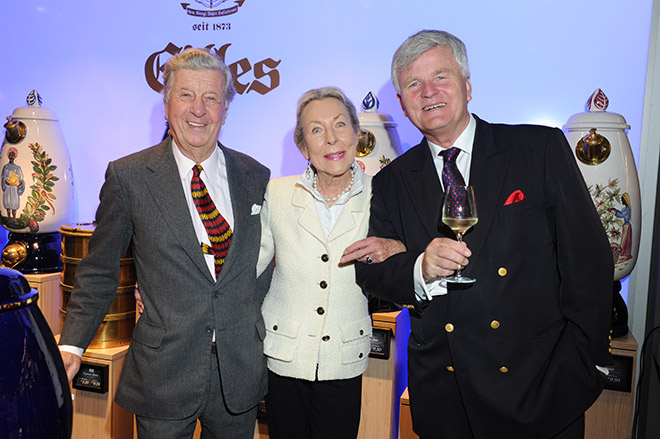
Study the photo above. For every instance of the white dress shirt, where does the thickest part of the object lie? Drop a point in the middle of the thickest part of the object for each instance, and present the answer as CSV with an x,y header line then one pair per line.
x,y
214,176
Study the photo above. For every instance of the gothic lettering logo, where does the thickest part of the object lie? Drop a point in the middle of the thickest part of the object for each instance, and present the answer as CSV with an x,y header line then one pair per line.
x,y
261,77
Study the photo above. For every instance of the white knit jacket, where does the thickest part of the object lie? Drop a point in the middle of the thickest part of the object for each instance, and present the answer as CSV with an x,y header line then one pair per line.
x,y
315,313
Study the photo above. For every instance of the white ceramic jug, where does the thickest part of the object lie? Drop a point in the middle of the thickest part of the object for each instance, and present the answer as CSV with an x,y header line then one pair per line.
x,y
604,156
379,141
37,181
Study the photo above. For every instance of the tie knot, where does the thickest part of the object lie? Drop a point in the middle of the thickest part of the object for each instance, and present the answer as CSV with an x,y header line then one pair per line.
x,y
197,170
449,155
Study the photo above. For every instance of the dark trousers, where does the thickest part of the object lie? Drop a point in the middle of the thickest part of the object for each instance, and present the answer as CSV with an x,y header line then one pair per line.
x,y
575,430
217,422
299,409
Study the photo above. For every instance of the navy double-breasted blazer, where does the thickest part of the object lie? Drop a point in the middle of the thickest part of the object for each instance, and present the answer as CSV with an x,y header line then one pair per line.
x,y
515,352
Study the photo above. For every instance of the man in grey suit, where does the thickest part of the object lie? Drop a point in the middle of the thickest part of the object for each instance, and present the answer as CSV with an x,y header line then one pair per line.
x,y
196,351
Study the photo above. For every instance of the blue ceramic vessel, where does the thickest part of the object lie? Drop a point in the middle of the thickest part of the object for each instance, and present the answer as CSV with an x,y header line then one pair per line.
x,y
35,400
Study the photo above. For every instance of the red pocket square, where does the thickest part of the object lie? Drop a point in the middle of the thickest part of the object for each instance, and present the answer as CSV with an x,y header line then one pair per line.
x,y
515,196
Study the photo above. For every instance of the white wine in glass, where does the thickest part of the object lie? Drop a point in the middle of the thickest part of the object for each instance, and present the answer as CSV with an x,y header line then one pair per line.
x,y
459,212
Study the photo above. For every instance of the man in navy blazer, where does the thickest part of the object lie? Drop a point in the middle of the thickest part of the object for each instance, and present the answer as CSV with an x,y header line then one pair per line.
x,y
197,350
518,353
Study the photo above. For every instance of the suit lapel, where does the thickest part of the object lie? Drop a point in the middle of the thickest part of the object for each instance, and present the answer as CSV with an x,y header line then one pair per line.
x,y
162,180
488,167
242,187
423,186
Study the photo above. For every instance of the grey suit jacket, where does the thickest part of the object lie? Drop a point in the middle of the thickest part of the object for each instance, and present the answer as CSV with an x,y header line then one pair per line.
x,y
168,363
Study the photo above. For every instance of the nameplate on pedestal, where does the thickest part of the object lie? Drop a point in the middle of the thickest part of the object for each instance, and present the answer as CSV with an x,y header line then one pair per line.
x,y
380,343
620,374
92,378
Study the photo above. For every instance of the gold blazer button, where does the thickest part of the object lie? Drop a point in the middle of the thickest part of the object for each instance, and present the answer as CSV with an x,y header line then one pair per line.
x,y
449,327
494,324
504,369
502,271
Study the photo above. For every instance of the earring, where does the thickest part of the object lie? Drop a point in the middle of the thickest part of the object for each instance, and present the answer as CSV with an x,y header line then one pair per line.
x,y
309,172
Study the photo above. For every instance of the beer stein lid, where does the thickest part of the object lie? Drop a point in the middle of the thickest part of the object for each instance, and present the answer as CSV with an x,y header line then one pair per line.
x,y
595,115
34,110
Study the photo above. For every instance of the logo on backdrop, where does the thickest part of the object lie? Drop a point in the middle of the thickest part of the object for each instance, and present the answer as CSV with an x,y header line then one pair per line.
x,y
214,8
261,77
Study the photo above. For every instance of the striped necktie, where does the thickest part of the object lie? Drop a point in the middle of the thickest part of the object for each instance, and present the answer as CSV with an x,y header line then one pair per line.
x,y
451,176
216,226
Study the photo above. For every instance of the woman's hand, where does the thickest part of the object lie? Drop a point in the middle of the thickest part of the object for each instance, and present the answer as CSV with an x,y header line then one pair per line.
x,y
372,250
139,302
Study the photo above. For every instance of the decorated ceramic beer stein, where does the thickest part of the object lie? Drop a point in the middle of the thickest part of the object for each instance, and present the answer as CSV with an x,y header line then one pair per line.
x,y
37,182
604,156
37,188
379,142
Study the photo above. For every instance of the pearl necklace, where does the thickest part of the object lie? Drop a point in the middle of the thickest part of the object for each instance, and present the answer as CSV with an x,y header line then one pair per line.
x,y
338,196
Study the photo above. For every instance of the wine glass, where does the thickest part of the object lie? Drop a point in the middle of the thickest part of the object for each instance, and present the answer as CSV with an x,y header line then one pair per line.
x,y
459,212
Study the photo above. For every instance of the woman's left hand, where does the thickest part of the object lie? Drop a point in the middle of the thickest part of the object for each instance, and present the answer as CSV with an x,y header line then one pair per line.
x,y
372,250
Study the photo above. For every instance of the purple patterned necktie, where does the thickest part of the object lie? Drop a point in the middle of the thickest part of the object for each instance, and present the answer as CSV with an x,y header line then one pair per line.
x,y
451,176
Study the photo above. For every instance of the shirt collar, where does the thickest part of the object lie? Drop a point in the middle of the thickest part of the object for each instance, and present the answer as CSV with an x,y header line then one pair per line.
x,y
464,141
185,164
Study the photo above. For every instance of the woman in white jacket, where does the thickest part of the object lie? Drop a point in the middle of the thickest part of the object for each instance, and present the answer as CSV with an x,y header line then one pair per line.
x,y
316,316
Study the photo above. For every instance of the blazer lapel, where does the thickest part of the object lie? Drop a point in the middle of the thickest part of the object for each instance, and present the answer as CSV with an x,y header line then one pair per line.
x,y
423,186
308,217
162,180
488,167
349,218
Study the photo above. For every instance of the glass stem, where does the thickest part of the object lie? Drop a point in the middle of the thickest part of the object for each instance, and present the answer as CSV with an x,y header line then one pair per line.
x,y
459,238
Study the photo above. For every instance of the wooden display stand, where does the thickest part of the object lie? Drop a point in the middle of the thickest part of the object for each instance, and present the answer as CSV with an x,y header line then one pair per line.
x,y
609,417
50,297
405,419
385,379
96,415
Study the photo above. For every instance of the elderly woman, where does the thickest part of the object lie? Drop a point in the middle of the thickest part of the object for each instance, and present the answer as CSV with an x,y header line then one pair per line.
x,y
317,323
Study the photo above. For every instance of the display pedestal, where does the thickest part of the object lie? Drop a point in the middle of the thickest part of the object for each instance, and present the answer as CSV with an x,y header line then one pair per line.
x,y
96,415
405,419
386,377
609,417
50,297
